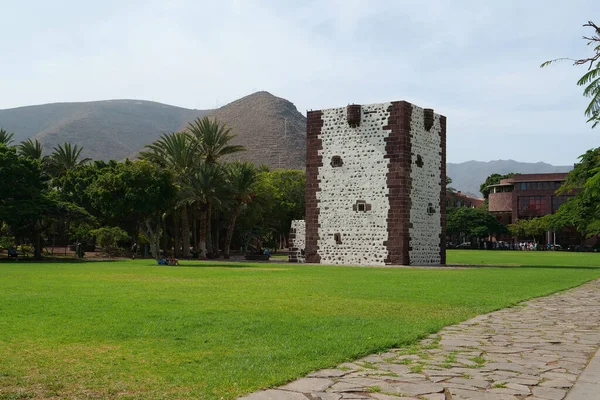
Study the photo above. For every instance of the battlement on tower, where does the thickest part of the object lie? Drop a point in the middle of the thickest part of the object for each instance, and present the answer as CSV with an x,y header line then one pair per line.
x,y
375,185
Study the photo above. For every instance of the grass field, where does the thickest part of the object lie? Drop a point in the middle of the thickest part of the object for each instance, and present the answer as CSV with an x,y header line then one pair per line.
x,y
135,330
523,258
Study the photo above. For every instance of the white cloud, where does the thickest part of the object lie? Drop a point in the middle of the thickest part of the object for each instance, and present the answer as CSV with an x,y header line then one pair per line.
x,y
476,62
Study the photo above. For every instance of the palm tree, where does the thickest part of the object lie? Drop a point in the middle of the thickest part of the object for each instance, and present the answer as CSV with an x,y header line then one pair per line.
x,y
241,178
207,188
449,189
64,158
177,152
213,139
5,137
31,149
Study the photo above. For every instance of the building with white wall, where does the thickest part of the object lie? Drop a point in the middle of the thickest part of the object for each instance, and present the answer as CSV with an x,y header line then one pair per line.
x,y
376,185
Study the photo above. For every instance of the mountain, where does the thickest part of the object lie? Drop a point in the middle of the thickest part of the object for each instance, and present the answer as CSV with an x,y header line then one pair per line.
x,y
270,127
112,129
467,176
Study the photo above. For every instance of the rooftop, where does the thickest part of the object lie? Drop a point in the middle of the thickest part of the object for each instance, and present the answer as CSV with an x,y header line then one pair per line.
x,y
551,177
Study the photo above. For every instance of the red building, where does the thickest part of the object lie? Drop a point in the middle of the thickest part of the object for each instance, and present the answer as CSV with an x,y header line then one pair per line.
x,y
458,199
528,196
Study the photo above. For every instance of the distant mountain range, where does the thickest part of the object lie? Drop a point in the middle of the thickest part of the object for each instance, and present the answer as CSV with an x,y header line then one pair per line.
x,y
469,175
271,128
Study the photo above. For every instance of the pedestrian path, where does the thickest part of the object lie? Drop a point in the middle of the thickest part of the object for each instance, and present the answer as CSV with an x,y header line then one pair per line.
x,y
536,350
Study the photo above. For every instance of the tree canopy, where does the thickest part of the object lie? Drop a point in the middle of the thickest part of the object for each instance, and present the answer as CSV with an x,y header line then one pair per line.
x,y
472,223
28,205
582,211
181,195
493,179
591,79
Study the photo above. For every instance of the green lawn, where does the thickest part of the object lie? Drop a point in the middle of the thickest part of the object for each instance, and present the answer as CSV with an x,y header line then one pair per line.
x,y
523,258
136,330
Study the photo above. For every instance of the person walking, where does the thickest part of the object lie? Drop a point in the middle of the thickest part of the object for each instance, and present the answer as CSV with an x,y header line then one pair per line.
x,y
133,250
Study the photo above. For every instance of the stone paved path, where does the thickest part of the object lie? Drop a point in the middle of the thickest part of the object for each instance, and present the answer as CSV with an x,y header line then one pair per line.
x,y
535,350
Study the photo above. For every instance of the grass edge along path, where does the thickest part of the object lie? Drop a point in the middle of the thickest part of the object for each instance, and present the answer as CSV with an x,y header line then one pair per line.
x,y
514,258
134,330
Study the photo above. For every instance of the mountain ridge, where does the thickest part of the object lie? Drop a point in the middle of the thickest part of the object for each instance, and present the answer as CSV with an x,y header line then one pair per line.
x,y
469,175
270,127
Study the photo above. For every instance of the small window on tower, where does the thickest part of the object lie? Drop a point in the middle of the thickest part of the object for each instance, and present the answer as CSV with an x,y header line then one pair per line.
x,y
361,206
336,161
338,238
430,209
419,162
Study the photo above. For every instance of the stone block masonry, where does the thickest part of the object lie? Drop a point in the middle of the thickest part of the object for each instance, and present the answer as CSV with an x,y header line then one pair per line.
x,y
297,239
375,185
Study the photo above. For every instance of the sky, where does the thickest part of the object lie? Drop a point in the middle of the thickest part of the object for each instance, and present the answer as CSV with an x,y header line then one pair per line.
x,y
476,62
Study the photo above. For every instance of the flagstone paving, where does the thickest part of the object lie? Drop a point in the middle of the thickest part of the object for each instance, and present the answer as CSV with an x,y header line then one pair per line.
x,y
535,350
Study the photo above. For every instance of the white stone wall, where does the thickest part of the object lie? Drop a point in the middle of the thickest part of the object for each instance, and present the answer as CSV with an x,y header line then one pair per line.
x,y
363,176
425,228
299,227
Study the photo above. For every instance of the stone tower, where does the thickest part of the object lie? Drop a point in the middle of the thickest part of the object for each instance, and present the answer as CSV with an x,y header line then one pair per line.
x,y
375,185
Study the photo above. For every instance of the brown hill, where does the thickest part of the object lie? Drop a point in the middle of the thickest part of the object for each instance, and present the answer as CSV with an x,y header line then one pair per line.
x,y
271,128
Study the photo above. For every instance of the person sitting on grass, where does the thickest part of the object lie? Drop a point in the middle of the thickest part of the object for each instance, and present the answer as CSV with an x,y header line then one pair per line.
x,y
12,254
162,261
173,261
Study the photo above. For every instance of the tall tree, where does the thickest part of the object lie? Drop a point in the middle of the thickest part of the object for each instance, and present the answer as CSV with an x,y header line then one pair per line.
x,y
472,223
213,142
585,175
577,214
22,197
74,184
177,152
27,205
289,187
533,227
206,189
591,79
213,139
32,149
583,211
241,178
65,157
137,191
5,137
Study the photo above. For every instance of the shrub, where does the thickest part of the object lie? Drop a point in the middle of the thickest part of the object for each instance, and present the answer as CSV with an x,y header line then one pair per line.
x,y
108,237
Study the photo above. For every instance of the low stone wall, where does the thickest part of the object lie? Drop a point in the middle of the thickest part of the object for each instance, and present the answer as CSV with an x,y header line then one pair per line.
x,y
297,240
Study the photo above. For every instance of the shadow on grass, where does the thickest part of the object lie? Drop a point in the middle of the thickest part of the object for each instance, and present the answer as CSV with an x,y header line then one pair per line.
x,y
274,263
50,260
558,266
225,264
523,266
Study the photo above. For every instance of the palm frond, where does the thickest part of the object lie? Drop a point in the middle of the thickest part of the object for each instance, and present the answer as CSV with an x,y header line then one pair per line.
x,y
589,76
213,139
550,62
31,149
66,157
5,137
